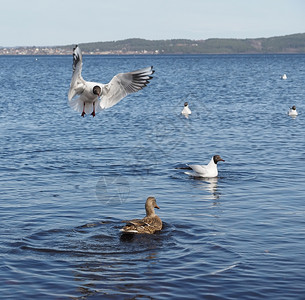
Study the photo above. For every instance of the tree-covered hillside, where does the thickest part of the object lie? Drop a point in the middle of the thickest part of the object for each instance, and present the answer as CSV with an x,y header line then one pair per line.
x,y
284,44
294,43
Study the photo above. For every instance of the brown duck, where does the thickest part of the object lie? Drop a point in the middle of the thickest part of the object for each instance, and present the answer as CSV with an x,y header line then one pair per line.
x,y
150,224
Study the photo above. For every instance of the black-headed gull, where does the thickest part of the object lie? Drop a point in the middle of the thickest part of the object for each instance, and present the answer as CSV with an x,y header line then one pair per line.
x,y
207,171
93,96
293,111
150,224
186,110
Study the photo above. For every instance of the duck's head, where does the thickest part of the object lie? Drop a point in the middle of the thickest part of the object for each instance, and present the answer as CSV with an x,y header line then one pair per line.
x,y
186,104
97,90
293,107
150,206
217,158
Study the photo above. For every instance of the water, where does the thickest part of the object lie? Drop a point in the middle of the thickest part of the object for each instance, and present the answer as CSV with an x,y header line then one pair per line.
x,y
67,182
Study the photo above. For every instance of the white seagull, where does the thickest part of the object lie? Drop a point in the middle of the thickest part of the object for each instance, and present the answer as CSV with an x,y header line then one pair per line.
x,y
284,76
93,96
207,171
293,111
186,110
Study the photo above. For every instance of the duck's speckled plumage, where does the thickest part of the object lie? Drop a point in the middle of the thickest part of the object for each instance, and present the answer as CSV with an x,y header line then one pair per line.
x,y
149,224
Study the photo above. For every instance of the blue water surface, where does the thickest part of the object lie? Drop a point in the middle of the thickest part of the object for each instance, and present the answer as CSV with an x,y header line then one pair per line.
x,y
67,182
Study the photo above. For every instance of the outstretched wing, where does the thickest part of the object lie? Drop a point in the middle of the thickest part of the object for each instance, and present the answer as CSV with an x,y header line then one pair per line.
x,y
123,84
77,84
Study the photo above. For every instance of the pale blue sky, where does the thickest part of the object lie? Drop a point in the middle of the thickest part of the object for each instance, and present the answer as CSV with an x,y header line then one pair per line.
x,y
61,22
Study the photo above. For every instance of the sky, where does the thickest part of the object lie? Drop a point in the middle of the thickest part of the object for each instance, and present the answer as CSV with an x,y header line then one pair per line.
x,y
65,22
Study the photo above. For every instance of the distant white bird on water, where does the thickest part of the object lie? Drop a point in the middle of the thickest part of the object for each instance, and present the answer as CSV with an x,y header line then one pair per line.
x,y
284,76
94,97
186,110
208,171
293,111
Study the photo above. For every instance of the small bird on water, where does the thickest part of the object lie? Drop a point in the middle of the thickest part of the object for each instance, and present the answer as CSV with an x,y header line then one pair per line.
x,y
208,171
93,96
186,110
293,111
149,224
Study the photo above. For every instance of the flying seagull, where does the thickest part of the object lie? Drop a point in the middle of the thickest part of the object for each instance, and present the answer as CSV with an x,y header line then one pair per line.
x,y
91,97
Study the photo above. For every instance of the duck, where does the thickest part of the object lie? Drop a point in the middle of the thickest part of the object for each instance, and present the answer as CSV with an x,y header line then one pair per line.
x,y
91,97
186,110
293,111
150,224
284,77
208,171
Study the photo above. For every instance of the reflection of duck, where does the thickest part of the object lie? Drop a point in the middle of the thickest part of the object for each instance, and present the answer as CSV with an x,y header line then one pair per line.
x,y
186,110
293,111
284,76
150,224
207,171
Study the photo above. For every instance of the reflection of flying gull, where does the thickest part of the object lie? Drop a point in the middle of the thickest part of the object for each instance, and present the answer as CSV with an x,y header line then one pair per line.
x,y
150,224
207,171
93,96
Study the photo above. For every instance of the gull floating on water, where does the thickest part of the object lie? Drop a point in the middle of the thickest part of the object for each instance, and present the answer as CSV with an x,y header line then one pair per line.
x,y
293,111
207,171
150,224
93,96
284,76
186,110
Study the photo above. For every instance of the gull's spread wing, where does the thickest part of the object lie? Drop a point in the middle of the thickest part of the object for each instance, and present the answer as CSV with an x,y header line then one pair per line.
x,y
123,84
77,84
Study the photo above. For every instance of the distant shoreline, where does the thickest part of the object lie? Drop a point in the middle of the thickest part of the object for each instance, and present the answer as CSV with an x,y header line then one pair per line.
x,y
152,54
288,44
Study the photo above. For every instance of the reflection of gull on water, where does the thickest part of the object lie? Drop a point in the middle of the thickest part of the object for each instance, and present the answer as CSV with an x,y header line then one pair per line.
x,y
210,185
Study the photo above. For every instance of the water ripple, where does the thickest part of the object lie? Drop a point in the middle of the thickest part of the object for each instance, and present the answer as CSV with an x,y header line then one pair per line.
x,y
67,182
